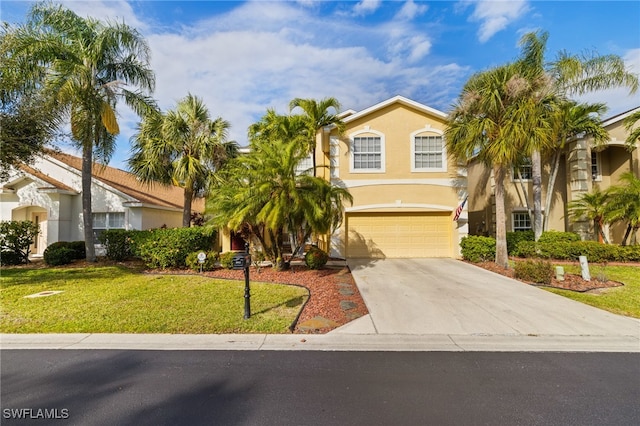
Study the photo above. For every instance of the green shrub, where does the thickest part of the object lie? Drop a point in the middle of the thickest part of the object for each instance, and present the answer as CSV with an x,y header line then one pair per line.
x,y
476,248
536,271
16,237
10,258
525,249
55,255
513,238
226,259
315,258
168,248
628,253
553,237
117,243
208,265
79,249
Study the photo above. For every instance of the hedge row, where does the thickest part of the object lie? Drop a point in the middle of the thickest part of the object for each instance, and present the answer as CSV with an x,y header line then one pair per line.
x,y
551,245
64,252
159,248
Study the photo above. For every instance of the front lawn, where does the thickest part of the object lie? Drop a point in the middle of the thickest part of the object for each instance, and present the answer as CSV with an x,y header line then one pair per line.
x,y
114,299
623,300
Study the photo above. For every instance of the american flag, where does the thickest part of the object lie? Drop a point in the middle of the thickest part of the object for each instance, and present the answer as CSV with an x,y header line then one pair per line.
x,y
459,209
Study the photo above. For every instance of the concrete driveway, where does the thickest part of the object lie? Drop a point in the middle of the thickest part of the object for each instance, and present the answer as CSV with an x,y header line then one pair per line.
x,y
450,297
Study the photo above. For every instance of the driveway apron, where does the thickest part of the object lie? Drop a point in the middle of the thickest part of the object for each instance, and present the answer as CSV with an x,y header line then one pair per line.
x,y
447,296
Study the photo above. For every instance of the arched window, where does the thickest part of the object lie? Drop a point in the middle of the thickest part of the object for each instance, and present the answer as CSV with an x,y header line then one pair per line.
x,y
428,151
367,151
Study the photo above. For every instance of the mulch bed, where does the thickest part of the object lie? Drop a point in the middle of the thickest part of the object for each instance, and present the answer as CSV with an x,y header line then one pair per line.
x,y
571,281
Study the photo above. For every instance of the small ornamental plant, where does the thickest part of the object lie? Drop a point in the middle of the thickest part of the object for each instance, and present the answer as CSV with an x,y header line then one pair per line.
x,y
315,258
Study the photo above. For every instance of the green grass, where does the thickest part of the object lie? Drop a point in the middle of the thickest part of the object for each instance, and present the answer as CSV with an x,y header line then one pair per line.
x,y
623,300
113,299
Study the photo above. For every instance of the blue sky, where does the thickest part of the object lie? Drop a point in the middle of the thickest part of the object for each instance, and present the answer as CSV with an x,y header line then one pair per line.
x,y
245,57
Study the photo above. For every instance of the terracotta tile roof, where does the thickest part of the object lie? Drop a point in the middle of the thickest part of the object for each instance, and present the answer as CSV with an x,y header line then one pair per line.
x,y
54,184
128,184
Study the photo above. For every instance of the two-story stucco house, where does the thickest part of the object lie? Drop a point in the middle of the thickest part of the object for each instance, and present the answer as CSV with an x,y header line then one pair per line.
x,y
392,158
48,192
582,167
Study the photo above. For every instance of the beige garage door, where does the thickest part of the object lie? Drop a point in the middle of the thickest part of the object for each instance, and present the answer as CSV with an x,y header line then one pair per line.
x,y
393,235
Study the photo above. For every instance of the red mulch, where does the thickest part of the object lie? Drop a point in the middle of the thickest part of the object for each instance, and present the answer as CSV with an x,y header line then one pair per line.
x,y
571,281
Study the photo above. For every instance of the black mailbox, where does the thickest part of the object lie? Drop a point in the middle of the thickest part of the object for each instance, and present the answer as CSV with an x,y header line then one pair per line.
x,y
241,260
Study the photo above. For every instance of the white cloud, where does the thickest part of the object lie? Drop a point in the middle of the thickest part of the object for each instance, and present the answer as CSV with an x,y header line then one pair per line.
x,y
116,10
410,10
365,7
496,15
260,55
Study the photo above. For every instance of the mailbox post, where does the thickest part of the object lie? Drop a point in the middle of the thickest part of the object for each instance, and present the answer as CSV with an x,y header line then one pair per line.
x,y
243,261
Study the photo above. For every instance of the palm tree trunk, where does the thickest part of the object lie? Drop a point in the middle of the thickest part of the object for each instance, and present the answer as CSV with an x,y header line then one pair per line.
x,y
313,155
552,182
536,174
502,257
87,218
186,211
627,232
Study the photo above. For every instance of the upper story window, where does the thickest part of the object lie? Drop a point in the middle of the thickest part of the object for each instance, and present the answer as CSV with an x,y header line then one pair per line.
x,y
428,151
596,173
521,221
525,170
104,221
305,166
367,152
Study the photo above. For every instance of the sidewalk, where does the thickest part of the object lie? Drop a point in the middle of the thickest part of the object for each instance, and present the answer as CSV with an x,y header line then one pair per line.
x,y
338,340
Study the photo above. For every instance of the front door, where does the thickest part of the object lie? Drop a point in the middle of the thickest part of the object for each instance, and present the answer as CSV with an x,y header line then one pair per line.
x,y
40,242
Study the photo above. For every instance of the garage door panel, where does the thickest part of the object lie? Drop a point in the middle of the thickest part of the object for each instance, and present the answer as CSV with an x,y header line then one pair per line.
x,y
399,235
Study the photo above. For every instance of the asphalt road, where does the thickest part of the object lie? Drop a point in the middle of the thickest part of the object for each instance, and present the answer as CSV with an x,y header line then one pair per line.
x,y
113,387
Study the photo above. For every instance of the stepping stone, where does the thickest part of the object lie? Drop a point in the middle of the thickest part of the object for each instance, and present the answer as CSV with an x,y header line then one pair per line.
x,y
345,292
353,315
316,323
346,305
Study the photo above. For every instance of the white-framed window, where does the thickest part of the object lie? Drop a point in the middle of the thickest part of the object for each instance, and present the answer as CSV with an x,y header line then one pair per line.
x,y
596,171
367,152
525,170
521,221
428,151
104,221
305,166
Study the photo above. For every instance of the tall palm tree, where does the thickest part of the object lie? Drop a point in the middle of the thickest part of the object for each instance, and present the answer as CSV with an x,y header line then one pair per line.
x,y
492,121
86,66
624,205
317,115
568,75
593,206
182,147
570,119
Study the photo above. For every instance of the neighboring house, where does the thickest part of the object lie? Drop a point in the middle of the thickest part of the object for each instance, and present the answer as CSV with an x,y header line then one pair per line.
x,y
48,192
581,168
392,159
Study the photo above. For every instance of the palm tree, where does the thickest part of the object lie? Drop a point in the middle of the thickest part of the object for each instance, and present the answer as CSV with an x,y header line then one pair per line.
x,y
317,115
86,65
492,121
567,75
570,119
624,205
263,193
183,147
592,206
634,134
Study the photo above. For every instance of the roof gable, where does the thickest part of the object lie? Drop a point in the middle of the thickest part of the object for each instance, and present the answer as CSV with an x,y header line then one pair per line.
x,y
128,184
396,99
